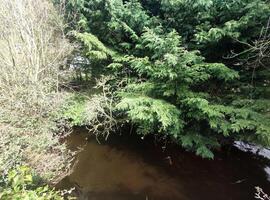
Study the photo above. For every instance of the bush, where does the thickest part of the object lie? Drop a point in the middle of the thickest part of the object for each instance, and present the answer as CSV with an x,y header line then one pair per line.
x,y
32,50
21,184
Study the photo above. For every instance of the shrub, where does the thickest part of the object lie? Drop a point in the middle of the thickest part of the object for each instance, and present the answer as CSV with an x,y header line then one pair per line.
x,y
21,184
33,48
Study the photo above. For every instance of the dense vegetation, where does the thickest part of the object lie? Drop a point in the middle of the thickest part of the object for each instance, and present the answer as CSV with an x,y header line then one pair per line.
x,y
30,78
185,70
192,72
21,183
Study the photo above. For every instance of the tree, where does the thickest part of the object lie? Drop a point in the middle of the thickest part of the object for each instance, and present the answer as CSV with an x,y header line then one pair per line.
x,y
163,83
213,25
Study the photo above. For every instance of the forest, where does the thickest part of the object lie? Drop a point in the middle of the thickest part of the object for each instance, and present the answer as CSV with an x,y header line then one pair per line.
x,y
191,73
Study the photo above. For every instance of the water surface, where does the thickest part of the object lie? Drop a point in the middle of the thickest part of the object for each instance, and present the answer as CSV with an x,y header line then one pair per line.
x,y
129,168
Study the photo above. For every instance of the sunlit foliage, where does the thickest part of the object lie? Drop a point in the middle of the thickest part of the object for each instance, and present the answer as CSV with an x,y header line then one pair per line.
x,y
170,75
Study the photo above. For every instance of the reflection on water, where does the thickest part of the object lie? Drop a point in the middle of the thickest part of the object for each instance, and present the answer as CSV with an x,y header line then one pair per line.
x,y
253,149
128,168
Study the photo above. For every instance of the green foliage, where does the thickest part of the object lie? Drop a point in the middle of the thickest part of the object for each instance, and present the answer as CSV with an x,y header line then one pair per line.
x,y
96,55
93,48
170,106
213,24
152,114
163,83
116,22
74,110
20,184
90,110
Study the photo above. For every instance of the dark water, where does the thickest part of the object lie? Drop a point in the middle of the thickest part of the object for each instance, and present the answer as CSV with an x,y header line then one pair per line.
x,y
129,168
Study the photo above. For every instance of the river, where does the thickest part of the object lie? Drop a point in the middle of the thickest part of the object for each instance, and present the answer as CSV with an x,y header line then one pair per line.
x,y
126,167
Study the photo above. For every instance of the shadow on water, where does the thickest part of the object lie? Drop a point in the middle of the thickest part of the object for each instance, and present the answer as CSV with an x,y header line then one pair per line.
x,y
129,168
